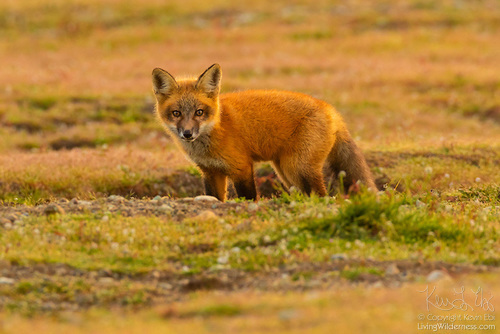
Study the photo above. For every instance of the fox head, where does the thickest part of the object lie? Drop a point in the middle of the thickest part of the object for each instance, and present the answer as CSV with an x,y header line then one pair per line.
x,y
188,107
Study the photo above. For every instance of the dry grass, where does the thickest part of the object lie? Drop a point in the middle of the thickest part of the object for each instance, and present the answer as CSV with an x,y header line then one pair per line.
x,y
408,77
425,60
342,309
85,173
417,82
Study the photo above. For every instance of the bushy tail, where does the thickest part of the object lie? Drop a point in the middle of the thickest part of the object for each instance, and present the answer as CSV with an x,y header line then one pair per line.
x,y
346,156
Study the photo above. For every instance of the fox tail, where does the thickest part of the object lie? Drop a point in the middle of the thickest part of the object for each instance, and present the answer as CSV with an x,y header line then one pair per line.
x,y
347,157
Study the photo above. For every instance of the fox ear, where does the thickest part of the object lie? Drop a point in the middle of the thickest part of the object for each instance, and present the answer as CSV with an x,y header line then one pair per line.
x,y
163,82
209,81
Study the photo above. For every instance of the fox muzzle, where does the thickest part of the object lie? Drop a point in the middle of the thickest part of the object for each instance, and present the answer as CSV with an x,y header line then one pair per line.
x,y
187,135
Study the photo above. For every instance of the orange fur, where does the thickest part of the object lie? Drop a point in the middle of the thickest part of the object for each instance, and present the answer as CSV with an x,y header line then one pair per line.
x,y
302,136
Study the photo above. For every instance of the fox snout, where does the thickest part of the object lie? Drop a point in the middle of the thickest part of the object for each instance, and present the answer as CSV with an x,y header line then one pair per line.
x,y
188,134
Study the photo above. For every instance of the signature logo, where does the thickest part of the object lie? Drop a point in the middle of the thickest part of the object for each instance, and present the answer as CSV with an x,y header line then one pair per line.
x,y
433,300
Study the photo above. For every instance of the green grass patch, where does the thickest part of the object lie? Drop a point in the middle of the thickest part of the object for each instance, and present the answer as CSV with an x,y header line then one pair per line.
x,y
390,226
353,274
218,310
489,194
393,217
312,35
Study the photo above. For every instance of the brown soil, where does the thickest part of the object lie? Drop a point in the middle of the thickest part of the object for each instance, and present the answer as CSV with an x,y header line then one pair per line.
x,y
161,287
391,159
159,206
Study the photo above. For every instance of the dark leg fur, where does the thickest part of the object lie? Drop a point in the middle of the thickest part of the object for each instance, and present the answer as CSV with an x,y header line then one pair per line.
x,y
246,188
209,188
306,185
313,183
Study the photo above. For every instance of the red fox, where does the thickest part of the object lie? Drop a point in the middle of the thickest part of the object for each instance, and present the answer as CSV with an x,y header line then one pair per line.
x,y
224,134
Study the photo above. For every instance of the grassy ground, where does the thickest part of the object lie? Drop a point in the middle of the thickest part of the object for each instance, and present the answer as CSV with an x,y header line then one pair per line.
x,y
417,82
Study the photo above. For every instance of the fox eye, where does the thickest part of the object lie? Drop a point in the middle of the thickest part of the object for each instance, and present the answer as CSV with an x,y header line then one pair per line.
x,y
199,112
176,113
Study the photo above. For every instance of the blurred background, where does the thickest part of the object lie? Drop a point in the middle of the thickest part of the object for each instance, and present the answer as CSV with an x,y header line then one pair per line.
x,y
417,81
413,79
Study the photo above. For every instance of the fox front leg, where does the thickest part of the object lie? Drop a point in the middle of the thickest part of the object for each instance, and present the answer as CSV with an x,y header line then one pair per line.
x,y
215,184
244,183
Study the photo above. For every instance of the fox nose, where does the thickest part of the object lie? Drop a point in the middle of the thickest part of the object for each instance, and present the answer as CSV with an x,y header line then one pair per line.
x,y
188,134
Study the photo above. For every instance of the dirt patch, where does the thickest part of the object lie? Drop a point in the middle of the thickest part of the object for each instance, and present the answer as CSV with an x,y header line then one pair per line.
x,y
391,159
182,184
492,113
30,127
176,184
164,287
67,143
160,206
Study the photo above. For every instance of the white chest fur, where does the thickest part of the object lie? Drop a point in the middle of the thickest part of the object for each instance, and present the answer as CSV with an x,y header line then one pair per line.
x,y
199,152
